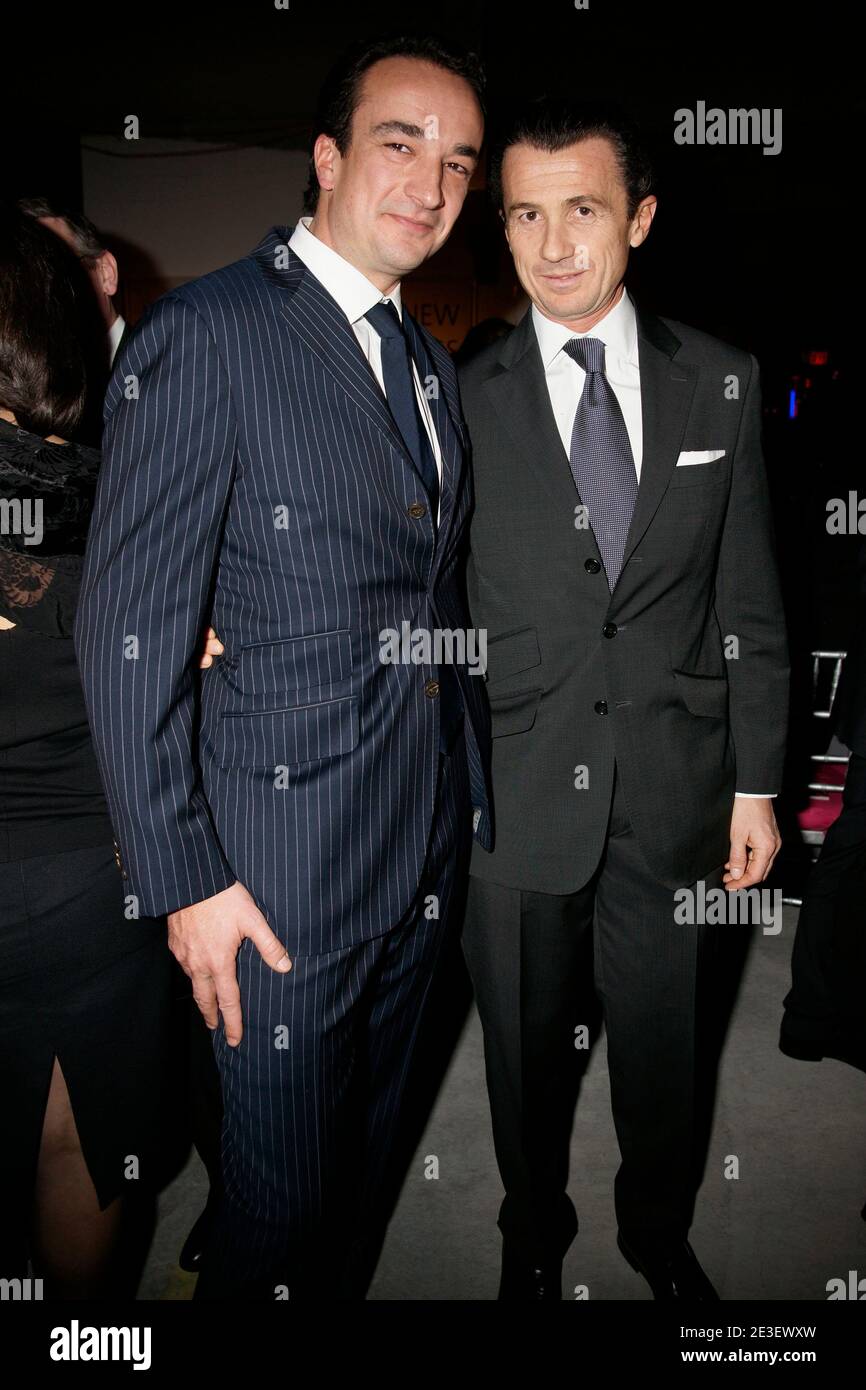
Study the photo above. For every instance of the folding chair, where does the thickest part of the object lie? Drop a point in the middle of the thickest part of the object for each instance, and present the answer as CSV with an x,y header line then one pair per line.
x,y
825,803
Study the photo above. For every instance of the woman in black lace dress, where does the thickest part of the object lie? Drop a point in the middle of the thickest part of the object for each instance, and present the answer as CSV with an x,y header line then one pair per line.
x,y
85,984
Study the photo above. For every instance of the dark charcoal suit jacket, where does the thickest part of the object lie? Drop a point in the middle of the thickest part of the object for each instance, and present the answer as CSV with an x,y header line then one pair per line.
x,y
579,677
253,476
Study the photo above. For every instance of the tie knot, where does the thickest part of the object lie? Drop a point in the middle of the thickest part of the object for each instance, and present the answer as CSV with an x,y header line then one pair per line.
x,y
588,353
385,320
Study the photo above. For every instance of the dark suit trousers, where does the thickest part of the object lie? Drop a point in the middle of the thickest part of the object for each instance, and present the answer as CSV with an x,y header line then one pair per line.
x,y
533,959
828,964
312,1095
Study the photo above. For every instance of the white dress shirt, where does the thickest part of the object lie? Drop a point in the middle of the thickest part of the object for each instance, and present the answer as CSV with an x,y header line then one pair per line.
x,y
115,333
356,296
618,332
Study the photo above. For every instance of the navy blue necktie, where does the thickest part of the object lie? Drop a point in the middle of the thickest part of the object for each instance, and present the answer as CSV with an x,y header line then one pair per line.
x,y
601,459
397,362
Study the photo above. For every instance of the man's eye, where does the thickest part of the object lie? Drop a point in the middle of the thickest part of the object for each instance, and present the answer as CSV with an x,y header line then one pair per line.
x,y
461,169
528,216
583,209
398,146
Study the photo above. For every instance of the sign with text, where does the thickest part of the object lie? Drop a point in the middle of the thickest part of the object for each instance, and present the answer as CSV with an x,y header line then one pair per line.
x,y
443,307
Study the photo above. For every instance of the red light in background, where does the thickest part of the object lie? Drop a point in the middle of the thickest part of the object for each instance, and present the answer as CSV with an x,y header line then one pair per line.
x,y
817,359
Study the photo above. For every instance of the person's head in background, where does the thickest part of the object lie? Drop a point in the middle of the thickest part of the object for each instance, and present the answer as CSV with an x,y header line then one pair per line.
x,y
573,186
46,312
397,137
86,243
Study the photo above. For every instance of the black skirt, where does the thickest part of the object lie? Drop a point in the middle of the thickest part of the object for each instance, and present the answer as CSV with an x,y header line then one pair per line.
x,y
82,981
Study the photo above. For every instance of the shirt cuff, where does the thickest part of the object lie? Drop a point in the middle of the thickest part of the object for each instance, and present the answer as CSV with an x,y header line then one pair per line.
x,y
755,796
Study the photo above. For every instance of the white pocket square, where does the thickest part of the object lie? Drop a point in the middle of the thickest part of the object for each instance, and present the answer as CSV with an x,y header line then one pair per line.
x,y
689,456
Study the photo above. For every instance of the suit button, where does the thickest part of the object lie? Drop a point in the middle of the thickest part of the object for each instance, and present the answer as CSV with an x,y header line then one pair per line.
x,y
609,630
601,706
417,510
431,688
591,566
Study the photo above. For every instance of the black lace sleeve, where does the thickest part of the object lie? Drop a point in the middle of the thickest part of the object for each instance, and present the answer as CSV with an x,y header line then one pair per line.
x,y
39,594
40,576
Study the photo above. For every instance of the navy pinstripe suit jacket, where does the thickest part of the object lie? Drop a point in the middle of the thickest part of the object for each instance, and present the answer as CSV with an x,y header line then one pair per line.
x,y
253,476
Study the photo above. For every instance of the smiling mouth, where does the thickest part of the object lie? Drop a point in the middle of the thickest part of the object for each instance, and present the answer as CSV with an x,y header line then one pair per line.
x,y
565,275
411,223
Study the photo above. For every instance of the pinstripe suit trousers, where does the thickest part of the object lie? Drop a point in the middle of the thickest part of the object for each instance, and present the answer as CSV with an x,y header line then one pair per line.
x,y
312,1094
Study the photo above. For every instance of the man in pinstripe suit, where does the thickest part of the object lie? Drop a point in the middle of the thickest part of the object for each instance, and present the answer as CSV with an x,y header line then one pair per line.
x,y
284,452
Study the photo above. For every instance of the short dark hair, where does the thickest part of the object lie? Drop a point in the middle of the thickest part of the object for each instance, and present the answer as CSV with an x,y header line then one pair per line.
x,y
45,311
553,123
88,242
341,90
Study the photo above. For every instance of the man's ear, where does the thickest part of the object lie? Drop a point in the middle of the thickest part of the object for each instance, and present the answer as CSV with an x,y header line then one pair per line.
x,y
325,160
108,277
642,220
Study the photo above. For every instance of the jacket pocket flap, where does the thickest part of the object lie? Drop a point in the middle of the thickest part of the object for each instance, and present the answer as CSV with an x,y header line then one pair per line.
x,y
274,738
512,652
312,662
706,695
513,713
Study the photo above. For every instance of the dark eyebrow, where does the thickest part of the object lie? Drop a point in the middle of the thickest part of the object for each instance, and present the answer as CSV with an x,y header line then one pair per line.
x,y
579,200
416,132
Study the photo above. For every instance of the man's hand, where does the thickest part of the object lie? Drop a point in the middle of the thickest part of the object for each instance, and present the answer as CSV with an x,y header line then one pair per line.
x,y
205,939
212,647
755,842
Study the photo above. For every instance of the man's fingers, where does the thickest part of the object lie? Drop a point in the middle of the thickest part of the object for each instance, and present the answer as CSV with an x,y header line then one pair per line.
x,y
771,855
269,947
738,862
754,874
212,647
229,999
757,868
205,995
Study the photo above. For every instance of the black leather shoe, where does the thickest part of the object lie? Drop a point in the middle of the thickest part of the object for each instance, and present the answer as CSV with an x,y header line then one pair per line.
x,y
194,1245
523,1281
674,1276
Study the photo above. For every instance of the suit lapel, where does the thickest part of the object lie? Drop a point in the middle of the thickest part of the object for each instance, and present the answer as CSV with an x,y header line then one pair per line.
x,y
320,323
520,396
317,319
445,409
666,391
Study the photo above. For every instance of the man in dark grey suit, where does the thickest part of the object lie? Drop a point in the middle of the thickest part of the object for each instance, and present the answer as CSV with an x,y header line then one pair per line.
x,y
621,550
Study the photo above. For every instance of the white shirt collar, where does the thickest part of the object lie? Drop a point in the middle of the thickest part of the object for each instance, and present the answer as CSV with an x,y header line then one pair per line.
x,y
354,293
617,330
115,333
